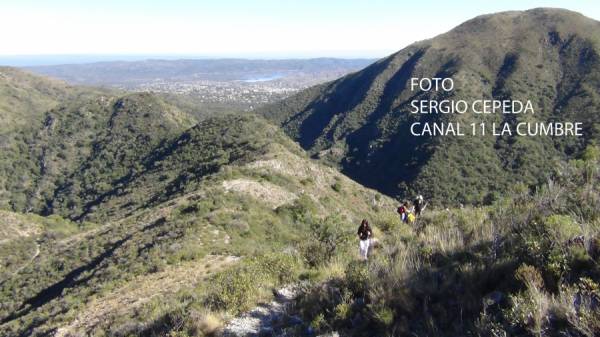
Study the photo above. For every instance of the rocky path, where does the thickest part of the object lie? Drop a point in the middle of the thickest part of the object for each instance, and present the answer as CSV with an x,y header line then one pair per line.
x,y
267,319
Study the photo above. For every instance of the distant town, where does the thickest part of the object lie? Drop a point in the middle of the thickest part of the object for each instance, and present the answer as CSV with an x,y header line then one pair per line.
x,y
248,93
243,84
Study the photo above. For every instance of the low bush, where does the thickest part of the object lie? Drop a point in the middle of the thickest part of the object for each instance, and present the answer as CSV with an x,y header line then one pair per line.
x,y
323,241
238,289
357,278
561,228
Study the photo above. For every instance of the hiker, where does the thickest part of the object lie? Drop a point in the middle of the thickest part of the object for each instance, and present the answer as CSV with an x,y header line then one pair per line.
x,y
364,234
410,217
419,205
403,210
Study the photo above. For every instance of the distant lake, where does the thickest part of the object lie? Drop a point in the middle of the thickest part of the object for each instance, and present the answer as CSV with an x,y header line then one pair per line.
x,y
263,79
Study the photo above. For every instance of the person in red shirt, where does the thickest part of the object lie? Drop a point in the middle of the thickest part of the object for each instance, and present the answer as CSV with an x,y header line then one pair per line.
x,y
403,211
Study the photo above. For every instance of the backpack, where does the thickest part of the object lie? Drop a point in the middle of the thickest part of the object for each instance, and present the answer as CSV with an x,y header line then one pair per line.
x,y
401,210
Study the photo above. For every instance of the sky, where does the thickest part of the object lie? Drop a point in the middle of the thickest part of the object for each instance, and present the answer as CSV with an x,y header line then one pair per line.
x,y
238,28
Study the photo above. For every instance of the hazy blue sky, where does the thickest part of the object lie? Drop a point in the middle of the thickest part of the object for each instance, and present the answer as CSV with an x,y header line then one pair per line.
x,y
263,28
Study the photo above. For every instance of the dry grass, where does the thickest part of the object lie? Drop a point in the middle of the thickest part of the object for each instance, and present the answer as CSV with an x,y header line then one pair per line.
x,y
205,323
142,289
14,226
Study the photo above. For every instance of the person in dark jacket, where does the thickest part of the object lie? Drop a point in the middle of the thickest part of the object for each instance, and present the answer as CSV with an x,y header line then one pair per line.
x,y
364,236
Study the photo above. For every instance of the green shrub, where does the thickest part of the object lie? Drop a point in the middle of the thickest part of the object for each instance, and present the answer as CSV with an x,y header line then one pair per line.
x,y
591,153
388,221
313,253
357,277
337,187
232,291
318,323
237,289
342,312
528,310
301,211
284,268
323,240
557,264
561,228
383,315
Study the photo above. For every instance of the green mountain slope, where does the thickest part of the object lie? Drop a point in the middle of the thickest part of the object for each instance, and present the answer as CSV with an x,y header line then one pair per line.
x,y
226,188
24,99
361,122
26,96
82,143
115,139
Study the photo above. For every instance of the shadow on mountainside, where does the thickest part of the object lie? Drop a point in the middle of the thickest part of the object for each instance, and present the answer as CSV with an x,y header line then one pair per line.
x,y
69,281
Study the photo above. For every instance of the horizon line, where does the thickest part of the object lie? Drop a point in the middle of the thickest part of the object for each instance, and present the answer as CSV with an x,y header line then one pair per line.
x,y
34,60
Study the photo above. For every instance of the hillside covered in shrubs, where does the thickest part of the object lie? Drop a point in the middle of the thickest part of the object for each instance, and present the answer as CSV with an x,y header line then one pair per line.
x,y
200,229
525,266
127,215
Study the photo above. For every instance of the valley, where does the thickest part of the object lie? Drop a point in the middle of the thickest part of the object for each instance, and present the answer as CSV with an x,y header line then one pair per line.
x,y
155,203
